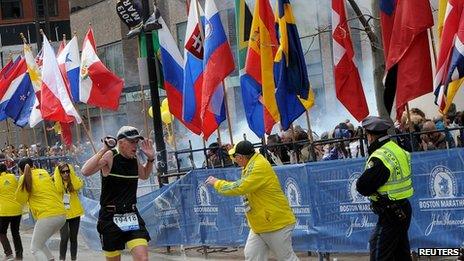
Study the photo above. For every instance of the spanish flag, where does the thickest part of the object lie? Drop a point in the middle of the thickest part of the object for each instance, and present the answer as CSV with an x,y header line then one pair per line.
x,y
293,93
258,87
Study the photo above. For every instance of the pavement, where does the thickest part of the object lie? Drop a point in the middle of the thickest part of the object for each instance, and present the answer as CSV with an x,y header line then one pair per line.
x,y
175,253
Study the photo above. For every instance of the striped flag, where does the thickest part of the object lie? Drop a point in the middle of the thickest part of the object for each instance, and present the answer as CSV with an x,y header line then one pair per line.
x,y
450,57
293,94
258,88
347,81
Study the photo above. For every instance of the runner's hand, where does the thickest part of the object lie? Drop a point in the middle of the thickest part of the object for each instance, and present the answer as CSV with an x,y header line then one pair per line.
x,y
147,147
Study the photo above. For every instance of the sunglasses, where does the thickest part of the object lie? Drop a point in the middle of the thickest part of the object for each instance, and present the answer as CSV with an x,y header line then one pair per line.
x,y
65,171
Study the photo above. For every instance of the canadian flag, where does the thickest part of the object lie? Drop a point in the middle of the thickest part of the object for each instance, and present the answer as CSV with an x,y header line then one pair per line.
x,y
56,105
98,86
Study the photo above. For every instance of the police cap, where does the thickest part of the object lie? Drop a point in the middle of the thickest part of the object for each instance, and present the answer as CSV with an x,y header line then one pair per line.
x,y
376,125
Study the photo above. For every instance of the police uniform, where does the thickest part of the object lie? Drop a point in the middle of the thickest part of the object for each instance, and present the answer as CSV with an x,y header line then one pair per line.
x,y
119,221
387,182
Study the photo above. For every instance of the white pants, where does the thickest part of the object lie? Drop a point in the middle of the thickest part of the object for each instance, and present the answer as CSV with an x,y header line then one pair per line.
x,y
43,230
279,242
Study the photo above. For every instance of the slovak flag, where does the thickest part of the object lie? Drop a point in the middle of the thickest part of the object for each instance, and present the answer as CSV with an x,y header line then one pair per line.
x,y
218,64
69,63
98,85
56,104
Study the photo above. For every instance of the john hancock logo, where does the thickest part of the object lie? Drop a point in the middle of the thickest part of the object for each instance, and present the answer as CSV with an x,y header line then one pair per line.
x,y
208,212
358,207
302,212
443,201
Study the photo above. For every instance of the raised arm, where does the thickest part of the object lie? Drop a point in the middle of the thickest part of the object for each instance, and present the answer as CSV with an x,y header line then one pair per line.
x,y
147,169
102,160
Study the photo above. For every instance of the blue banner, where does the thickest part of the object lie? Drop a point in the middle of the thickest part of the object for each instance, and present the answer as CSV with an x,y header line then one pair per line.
x,y
331,215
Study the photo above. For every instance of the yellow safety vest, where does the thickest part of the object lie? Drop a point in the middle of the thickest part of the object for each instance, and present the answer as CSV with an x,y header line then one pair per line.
x,y
398,161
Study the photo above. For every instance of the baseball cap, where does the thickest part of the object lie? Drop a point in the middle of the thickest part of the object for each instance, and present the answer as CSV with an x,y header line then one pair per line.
x,y
129,132
244,147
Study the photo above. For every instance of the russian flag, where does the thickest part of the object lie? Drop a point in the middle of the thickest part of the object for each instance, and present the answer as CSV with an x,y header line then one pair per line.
x,y
173,74
58,105
218,64
69,63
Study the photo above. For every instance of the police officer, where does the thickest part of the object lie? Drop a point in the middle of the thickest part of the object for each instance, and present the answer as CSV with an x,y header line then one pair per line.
x,y
387,182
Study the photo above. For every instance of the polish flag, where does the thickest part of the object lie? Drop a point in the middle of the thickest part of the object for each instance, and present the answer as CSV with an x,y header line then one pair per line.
x,y
56,105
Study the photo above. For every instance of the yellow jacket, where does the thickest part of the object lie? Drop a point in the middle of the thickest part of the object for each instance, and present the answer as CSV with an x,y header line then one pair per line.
x,y
44,200
269,208
9,207
75,206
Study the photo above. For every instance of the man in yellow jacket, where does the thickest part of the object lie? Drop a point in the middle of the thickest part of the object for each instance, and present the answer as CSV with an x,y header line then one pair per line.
x,y
269,215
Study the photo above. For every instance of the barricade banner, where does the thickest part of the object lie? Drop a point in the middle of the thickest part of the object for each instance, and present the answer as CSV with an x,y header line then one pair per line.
x,y
331,215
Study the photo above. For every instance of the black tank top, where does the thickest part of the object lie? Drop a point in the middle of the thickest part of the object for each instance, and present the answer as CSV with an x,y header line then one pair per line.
x,y
119,188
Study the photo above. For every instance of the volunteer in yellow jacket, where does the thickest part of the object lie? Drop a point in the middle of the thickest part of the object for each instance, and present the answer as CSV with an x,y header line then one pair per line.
x,y
10,214
267,210
68,185
37,188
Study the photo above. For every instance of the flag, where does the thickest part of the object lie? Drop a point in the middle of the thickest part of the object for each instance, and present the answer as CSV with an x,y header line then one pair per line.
x,y
442,4
290,72
193,77
449,57
408,69
36,79
18,99
348,86
69,62
56,104
193,65
173,72
218,64
243,20
9,73
98,85
258,88
19,106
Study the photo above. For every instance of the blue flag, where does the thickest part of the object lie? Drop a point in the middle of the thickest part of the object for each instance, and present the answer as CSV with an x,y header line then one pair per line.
x,y
20,104
293,93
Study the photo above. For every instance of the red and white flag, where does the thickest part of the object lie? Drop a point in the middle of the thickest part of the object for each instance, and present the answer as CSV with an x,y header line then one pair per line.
x,y
98,86
56,104
348,84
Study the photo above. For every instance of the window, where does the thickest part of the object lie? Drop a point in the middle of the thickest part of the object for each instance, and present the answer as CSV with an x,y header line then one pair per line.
x,y
181,29
52,7
11,9
111,56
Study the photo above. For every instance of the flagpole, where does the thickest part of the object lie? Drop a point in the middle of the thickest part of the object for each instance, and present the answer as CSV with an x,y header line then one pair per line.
x,y
102,121
8,142
88,120
229,125
219,140
310,131
144,109
35,135
45,133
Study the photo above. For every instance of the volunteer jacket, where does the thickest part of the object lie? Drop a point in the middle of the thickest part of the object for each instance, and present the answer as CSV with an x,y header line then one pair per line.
x,y
9,207
269,209
75,206
44,200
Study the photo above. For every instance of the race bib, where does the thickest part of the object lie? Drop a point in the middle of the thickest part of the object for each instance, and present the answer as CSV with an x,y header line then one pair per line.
x,y
127,221
66,200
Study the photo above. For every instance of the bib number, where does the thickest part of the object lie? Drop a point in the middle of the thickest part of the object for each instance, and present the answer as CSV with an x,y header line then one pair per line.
x,y
127,221
66,200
